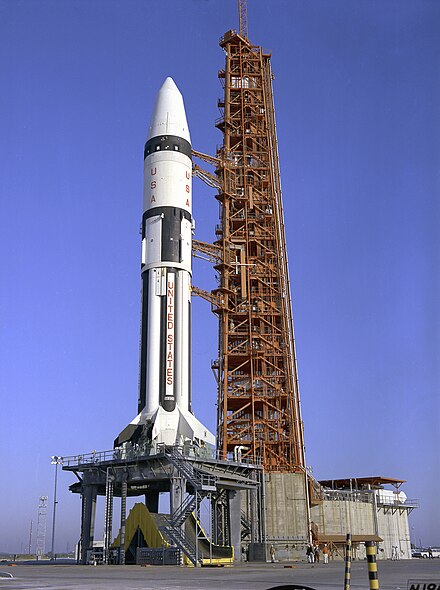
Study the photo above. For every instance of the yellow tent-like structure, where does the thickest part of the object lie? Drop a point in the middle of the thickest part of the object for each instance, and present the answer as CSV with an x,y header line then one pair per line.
x,y
140,520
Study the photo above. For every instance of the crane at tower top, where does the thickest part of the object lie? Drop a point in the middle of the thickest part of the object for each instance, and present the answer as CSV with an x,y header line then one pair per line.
x,y
242,17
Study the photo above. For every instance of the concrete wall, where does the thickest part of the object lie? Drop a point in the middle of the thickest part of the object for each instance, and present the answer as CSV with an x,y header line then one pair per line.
x,y
338,517
287,527
286,514
394,529
286,506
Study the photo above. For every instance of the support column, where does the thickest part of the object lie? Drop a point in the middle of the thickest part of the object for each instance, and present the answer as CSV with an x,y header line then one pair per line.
x,y
234,498
197,514
152,502
123,520
177,496
254,516
108,524
89,494
177,493
220,519
262,496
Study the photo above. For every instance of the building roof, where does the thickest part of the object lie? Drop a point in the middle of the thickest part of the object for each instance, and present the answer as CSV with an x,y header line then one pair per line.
x,y
360,482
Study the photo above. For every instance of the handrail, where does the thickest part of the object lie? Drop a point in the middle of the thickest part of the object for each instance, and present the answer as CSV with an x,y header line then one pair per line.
x,y
133,453
181,541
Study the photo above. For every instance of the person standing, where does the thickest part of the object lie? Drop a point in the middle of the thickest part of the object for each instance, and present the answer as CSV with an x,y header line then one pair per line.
x,y
310,554
317,553
325,553
272,553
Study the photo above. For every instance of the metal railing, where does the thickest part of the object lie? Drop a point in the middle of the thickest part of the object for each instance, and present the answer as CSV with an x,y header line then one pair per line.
x,y
368,496
200,481
349,496
135,452
181,541
389,502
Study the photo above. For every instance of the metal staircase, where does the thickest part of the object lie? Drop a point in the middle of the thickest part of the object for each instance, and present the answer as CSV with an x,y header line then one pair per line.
x,y
202,485
176,537
199,481
181,514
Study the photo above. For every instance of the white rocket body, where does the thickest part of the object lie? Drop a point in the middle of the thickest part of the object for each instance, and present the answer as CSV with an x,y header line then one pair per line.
x,y
164,402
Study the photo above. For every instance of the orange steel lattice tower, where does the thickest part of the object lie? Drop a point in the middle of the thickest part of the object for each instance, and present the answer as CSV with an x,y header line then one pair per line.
x,y
258,398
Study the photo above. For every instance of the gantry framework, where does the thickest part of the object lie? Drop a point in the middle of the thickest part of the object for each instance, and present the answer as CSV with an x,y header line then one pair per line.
x,y
258,398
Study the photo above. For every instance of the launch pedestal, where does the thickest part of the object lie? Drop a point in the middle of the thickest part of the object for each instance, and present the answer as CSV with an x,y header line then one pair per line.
x,y
189,474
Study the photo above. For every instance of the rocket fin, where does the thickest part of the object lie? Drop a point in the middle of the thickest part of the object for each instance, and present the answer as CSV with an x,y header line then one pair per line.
x,y
169,428
195,429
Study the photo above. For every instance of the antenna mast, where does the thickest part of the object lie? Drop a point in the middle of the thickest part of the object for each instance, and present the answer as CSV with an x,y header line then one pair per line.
x,y
242,16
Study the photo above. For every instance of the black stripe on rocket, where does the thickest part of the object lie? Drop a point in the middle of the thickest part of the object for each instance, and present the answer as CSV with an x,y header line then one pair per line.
x,y
172,143
144,336
165,211
171,235
189,355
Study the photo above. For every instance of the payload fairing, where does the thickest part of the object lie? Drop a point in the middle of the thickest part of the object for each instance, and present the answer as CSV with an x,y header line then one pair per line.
x,y
164,403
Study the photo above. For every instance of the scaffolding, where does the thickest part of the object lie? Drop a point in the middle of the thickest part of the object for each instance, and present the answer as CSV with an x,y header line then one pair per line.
x,y
258,395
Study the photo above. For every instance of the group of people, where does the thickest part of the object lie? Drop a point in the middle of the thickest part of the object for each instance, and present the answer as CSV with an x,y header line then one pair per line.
x,y
313,553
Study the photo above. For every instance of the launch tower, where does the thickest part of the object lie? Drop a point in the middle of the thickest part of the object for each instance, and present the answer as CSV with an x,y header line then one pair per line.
x,y
259,414
259,405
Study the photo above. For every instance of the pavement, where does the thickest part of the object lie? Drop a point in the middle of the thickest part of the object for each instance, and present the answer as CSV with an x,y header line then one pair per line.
x,y
393,575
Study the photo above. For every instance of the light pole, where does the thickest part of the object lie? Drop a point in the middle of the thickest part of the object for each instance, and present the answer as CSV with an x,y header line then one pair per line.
x,y
30,540
55,461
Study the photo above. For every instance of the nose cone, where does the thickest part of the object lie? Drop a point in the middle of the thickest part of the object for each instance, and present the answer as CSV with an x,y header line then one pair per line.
x,y
169,116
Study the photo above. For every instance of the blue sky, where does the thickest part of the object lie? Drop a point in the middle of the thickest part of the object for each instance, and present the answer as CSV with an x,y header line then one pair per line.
x,y
357,98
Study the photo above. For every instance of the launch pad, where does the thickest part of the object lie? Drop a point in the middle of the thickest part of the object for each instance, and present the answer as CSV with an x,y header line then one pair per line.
x,y
259,488
189,474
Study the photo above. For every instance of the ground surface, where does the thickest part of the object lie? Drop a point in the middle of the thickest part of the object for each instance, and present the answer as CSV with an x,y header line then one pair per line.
x,y
393,575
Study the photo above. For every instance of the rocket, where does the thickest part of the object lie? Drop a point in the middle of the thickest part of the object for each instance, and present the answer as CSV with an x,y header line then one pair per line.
x,y
164,403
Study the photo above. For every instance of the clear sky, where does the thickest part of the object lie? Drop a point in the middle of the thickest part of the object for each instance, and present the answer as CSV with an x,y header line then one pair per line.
x,y
357,97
